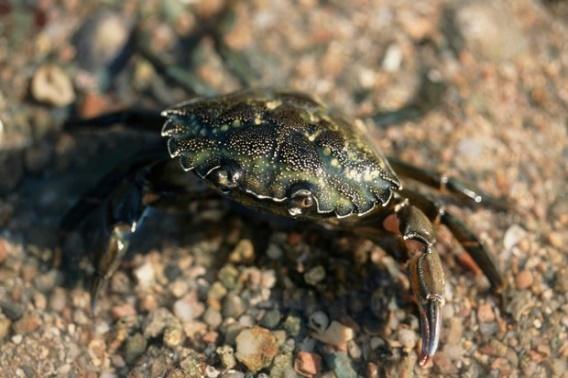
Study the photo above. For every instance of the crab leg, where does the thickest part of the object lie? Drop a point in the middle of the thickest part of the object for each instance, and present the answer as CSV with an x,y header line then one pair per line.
x,y
426,275
452,185
108,215
472,245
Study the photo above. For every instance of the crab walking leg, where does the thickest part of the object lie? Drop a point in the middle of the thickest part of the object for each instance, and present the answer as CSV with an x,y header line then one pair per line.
x,y
452,185
426,275
471,244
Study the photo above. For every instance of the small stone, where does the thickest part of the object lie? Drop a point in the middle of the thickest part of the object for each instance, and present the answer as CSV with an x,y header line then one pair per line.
x,y
188,308
211,372
27,324
212,318
145,275
179,288
274,252
93,104
485,313
354,350
307,364
51,85
210,337
12,310
135,346
100,39
122,311
319,321
256,348
524,280
293,325
157,321
192,365
233,374
243,252
407,338
4,327
233,306
315,275
173,336
216,292
513,236
229,276
336,334
341,365
227,355
271,319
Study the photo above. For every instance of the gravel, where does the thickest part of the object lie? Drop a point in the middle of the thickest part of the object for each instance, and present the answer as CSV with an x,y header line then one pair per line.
x,y
208,290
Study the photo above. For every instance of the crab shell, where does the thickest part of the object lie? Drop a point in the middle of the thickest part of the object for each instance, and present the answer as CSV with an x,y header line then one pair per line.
x,y
280,151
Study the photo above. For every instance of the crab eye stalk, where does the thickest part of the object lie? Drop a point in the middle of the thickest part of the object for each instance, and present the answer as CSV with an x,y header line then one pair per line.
x,y
226,177
300,200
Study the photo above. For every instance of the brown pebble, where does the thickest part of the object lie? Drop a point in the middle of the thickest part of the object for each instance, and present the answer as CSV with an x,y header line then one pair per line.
x,y
307,364
92,105
256,348
27,324
122,311
524,280
485,313
3,251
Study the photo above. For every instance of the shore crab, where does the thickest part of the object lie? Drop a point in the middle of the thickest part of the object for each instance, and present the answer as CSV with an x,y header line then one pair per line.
x,y
286,154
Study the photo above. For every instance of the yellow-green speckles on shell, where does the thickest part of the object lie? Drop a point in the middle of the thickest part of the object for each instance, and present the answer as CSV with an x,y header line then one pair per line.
x,y
281,140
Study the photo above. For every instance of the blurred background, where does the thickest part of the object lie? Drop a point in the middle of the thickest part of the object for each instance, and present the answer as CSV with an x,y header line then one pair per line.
x,y
478,89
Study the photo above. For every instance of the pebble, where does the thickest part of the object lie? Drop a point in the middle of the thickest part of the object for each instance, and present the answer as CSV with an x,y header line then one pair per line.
x,y
341,365
274,252
336,334
292,325
233,306
319,321
135,346
51,85
145,275
173,336
157,321
513,236
307,364
315,275
12,310
188,308
524,280
256,348
229,276
211,372
227,355
4,327
122,311
271,319
233,374
100,39
485,313
407,338
212,317
481,30
243,252
27,324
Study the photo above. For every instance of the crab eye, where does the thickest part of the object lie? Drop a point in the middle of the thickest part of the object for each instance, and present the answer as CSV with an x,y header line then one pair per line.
x,y
226,177
299,200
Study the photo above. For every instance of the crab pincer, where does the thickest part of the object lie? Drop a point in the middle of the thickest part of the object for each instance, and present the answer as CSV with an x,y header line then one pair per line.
x,y
427,282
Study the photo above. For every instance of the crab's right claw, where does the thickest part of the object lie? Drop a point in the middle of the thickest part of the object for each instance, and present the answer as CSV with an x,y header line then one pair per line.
x,y
427,282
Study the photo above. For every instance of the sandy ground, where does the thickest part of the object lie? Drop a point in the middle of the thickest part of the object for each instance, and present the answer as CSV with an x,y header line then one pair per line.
x,y
473,89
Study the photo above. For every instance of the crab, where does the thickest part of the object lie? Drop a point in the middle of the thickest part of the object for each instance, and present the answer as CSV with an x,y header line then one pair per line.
x,y
286,154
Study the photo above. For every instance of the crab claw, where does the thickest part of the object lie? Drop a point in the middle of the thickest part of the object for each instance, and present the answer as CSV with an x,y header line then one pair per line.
x,y
427,282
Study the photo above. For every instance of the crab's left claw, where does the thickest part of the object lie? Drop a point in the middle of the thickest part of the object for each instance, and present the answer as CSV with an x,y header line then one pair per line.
x,y
427,281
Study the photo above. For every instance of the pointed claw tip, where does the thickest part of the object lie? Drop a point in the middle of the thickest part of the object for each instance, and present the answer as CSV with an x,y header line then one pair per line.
x,y
424,359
